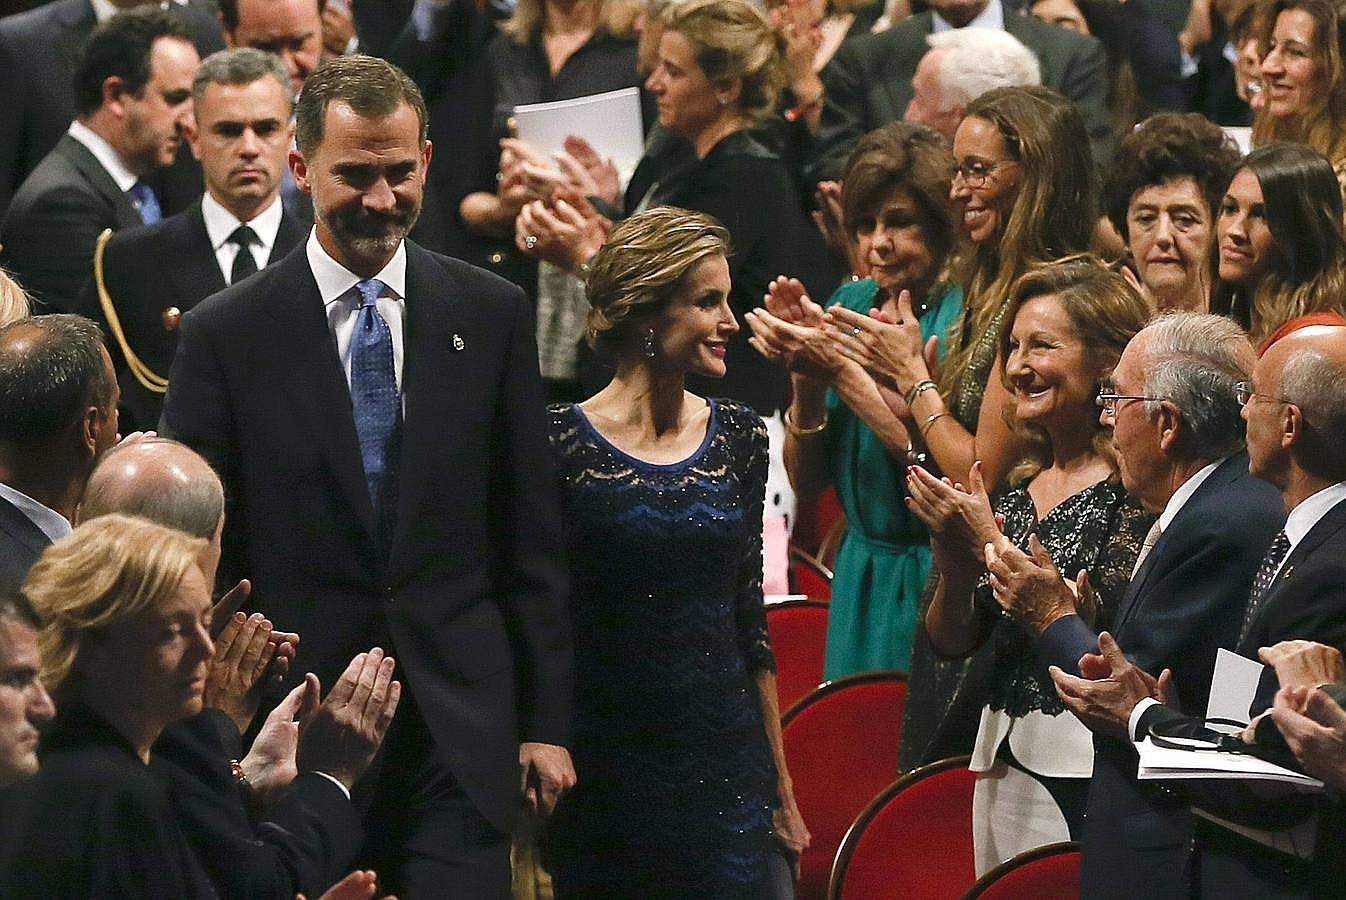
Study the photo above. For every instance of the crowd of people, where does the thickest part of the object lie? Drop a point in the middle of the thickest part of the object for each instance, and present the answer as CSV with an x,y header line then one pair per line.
x,y
315,374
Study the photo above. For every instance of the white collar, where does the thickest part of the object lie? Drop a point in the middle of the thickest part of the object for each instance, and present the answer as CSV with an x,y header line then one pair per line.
x,y
1312,508
1185,492
992,17
220,222
105,153
51,523
103,10
335,280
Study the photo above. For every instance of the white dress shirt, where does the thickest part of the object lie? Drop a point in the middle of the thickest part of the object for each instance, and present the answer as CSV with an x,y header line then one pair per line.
x,y
51,523
106,155
336,286
1307,514
992,17
220,223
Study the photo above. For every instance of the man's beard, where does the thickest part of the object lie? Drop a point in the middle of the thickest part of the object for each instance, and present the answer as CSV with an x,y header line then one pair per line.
x,y
366,233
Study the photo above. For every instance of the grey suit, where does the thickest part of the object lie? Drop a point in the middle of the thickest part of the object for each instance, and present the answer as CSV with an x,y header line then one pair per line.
x,y
868,83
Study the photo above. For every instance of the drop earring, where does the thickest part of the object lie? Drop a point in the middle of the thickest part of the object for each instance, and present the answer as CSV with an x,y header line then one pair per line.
x,y
649,343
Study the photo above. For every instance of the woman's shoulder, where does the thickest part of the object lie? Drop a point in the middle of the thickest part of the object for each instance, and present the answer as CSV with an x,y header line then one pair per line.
x,y
564,422
739,422
857,295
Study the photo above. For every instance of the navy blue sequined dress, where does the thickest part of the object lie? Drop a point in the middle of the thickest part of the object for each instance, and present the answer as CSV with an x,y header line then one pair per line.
x,y
676,781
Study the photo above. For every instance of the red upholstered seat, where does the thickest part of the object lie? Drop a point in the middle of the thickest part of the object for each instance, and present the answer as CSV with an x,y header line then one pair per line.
x,y
1045,873
913,842
841,747
809,576
798,630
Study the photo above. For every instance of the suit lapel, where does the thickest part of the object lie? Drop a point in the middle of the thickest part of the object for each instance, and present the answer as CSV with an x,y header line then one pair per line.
x,y
88,166
1326,528
18,526
315,382
292,232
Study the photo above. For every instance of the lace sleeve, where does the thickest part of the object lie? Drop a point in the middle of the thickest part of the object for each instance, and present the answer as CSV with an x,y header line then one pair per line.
x,y
1111,571
750,614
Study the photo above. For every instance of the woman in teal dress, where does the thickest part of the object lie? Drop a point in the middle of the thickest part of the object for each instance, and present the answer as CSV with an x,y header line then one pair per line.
x,y
845,428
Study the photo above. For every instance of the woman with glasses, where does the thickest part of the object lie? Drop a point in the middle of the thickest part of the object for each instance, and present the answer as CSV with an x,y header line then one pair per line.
x,y
1281,241
1065,328
1165,188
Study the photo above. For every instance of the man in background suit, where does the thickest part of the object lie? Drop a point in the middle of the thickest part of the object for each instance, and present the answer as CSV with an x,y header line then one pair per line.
x,y
1174,412
38,51
375,410
242,138
868,81
25,705
1295,407
58,411
133,101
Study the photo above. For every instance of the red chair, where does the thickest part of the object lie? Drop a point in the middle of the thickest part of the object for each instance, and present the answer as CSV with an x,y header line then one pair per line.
x,y
1051,872
809,576
841,749
798,630
913,842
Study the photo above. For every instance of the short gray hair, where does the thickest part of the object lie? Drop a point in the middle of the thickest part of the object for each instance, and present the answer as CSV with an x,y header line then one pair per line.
x,y
240,66
194,505
979,60
1195,361
1316,383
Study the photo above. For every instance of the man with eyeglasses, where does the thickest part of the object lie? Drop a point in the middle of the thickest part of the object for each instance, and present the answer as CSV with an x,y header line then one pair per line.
x,y
1180,447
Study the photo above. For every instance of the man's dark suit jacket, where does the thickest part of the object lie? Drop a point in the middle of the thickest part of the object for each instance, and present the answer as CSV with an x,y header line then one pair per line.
x,y
48,236
21,543
308,840
149,269
38,53
1306,601
868,83
471,590
1186,601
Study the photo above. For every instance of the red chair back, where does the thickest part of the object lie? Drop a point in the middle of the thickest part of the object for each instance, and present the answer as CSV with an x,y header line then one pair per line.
x,y
913,842
841,748
1051,872
798,630
809,576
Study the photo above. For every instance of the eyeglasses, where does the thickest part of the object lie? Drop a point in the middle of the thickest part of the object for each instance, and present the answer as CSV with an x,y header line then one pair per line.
x,y
977,172
1243,393
1109,400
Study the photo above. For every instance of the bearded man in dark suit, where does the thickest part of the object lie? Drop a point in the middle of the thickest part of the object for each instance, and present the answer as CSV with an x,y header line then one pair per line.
x,y
149,276
376,414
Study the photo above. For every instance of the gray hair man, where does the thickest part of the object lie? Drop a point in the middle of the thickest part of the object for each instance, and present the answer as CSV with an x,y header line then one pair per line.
x,y
959,67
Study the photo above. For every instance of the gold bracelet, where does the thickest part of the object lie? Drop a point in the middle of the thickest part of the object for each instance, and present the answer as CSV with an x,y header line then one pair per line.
x,y
794,429
931,420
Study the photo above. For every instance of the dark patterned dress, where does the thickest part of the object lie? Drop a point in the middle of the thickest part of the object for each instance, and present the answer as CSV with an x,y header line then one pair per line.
x,y
676,781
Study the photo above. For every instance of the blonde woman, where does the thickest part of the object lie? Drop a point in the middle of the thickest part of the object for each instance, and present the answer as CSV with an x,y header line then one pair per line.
x,y
14,303
682,787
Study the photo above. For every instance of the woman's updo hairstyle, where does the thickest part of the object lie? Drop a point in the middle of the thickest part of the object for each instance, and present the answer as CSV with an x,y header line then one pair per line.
x,y
733,39
641,268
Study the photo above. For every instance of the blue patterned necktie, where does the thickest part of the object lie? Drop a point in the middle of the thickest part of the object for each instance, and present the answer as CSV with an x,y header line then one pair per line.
x,y
374,395
142,195
1266,573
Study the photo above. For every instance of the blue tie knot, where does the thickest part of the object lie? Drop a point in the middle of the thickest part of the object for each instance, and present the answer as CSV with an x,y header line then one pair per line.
x,y
370,289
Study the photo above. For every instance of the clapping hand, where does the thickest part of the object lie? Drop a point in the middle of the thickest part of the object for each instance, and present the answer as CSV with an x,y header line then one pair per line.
x,y
959,518
789,331
1110,688
1314,728
1030,587
566,233
1304,663
341,738
892,350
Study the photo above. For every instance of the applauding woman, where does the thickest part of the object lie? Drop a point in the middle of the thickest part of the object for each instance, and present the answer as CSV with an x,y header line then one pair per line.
x,y
682,789
1066,326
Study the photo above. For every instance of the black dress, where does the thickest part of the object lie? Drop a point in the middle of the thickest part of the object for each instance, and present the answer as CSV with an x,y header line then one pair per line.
x,y
676,781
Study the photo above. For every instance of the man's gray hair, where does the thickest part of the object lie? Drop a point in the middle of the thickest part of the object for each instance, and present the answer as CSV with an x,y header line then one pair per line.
x,y
194,505
240,66
1195,361
979,60
1316,383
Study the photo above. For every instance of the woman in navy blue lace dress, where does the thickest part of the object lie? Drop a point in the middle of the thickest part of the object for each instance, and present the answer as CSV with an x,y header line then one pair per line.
x,y
682,787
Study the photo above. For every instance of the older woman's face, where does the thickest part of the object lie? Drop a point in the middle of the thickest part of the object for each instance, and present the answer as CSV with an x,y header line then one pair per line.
x,y
986,180
688,102
892,240
1247,249
1292,74
1047,367
1169,228
159,657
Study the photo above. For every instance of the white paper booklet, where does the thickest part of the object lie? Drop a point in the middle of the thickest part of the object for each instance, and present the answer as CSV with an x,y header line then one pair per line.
x,y
610,122
1164,763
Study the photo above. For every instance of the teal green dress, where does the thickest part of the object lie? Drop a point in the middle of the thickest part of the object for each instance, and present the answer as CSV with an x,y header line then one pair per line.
x,y
884,557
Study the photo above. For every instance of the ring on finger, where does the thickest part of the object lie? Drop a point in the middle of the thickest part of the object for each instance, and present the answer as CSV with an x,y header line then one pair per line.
x,y
530,242
855,331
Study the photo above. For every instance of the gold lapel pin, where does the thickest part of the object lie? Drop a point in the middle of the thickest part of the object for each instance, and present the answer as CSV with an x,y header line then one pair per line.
x,y
458,343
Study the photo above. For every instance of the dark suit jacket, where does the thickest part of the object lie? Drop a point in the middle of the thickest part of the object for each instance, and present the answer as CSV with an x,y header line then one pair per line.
x,y
471,592
1156,58
868,83
1306,601
21,543
147,269
48,236
38,53
309,837
1184,603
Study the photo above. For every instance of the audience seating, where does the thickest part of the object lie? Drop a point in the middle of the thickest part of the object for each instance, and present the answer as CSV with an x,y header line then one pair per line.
x,y
841,748
808,575
798,630
914,841
1051,872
